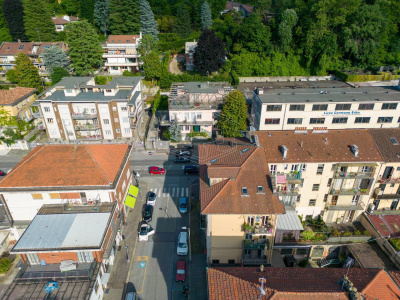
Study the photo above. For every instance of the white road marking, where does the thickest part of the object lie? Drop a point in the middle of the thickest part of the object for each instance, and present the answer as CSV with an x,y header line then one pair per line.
x,y
187,192
164,192
173,192
183,192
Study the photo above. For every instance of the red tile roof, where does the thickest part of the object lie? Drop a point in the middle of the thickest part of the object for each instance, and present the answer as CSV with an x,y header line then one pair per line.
x,y
122,39
297,283
14,96
386,224
334,146
63,166
62,21
237,166
387,141
12,48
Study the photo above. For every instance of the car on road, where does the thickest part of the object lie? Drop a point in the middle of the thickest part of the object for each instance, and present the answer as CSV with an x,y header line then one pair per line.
x,y
180,273
182,248
2,173
147,213
184,152
151,198
156,170
182,160
190,169
130,296
183,205
145,231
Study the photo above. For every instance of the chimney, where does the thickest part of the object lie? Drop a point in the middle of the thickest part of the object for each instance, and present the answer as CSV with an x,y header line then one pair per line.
x,y
260,91
284,151
354,149
66,18
140,35
19,41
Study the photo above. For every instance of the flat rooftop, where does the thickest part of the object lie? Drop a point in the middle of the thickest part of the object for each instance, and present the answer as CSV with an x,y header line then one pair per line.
x,y
244,86
90,96
203,87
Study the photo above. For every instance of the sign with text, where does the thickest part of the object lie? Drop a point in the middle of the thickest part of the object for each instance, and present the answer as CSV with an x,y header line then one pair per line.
x,y
351,112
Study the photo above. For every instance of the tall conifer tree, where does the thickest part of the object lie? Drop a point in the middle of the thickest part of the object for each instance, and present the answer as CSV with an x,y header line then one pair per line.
x,y
124,17
149,24
14,15
38,23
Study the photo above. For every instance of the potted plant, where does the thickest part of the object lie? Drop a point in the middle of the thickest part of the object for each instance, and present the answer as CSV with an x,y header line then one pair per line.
x,y
262,268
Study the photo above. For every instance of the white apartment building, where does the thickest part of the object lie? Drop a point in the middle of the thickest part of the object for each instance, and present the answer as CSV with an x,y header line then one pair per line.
x,y
320,172
76,109
330,105
120,53
196,105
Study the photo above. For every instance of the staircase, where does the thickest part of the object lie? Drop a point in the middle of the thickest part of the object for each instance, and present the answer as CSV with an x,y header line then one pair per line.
x,y
327,262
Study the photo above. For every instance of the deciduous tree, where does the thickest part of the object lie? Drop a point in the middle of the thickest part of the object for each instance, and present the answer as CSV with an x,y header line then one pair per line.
x,y
206,20
146,45
149,24
14,15
26,74
57,74
38,23
152,66
233,117
54,57
209,52
71,7
102,14
124,17
84,47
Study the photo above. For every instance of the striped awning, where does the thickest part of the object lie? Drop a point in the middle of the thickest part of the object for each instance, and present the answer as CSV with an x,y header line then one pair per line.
x,y
130,199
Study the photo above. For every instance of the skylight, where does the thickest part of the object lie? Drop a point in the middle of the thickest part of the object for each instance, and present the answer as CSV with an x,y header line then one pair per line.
x,y
21,47
213,161
244,191
394,141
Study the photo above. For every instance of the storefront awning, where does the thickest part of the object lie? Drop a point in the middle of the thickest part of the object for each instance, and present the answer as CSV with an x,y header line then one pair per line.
x,y
133,191
130,201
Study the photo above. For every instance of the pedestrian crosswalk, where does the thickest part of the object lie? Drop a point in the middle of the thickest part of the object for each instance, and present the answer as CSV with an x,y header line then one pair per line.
x,y
171,192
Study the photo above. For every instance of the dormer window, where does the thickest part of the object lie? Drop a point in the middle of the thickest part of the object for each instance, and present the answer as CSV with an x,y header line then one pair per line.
x,y
21,47
244,191
260,189
108,91
69,91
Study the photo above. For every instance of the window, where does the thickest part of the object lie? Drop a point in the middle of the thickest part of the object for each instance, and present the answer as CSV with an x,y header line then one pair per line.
x,y
108,132
317,120
312,202
21,47
285,166
215,261
85,256
33,258
325,197
304,168
320,169
293,168
231,261
50,120
298,198
274,107
320,107
339,120
198,116
127,130
244,191
69,91
272,169
343,107
46,109
118,130
37,196
116,120
366,106
271,121
329,182
389,105
385,119
260,189
398,169
394,141
315,187
334,200
106,121
296,107
362,120
295,120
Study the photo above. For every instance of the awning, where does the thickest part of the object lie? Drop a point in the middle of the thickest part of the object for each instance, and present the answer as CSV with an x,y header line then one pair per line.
x,y
133,191
130,201
289,221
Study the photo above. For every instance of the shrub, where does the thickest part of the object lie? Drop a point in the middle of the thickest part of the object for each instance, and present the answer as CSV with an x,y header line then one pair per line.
x,y
5,264
336,232
102,80
347,233
357,232
308,235
366,233
395,243
303,263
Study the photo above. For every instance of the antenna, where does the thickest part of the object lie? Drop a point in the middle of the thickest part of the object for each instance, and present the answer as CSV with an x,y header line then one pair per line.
x,y
261,288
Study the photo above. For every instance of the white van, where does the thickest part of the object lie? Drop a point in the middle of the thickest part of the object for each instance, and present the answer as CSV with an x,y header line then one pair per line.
x,y
182,248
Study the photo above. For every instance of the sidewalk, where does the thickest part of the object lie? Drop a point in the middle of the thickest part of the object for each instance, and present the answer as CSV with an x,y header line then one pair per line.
x,y
120,269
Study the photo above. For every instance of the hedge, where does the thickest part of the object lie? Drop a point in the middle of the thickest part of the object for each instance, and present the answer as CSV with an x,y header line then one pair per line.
x,y
364,78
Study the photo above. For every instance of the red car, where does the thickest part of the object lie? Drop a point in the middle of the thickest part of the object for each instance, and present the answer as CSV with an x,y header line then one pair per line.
x,y
2,173
156,170
180,275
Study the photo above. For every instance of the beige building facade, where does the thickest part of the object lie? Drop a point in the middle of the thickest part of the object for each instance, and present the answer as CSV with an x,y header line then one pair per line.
x,y
17,101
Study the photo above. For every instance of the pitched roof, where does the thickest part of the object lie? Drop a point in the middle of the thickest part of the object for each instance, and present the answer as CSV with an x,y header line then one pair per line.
x,y
386,224
66,166
334,146
13,48
62,21
14,96
118,39
297,283
237,167
387,140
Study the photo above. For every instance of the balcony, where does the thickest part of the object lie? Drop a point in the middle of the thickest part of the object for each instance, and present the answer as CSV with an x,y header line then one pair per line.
x,y
351,206
191,105
112,55
83,116
388,180
87,127
122,64
252,245
350,191
133,123
132,114
354,175
89,137
248,260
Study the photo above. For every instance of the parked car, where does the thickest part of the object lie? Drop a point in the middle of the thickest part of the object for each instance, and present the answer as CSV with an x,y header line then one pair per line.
x,y
183,205
156,170
151,198
189,169
182,248
189,147
147,213
182,160
2,173
145,231
180,273
184,152
130,296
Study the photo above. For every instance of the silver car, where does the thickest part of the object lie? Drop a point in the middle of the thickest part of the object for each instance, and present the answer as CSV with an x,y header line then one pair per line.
x,y
151,198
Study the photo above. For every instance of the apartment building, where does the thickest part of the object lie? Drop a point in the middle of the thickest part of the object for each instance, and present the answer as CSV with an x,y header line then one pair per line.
x,y
237,204
330,104
189,52
196,105
70,175
17,101
72,246
61,22
120,53
76,109
320,172
9,50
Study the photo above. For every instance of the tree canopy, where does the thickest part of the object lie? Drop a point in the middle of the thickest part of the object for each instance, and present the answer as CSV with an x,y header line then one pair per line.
x,y
13,13
233,117
54,57
102,14
149,24
206,20
26,74
209,52
124,17
152,66
37,22
57,74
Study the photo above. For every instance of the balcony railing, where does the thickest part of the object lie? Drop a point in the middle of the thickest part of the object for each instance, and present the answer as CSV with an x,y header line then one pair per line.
x,y
350,191
111,55
253,261
133,125
87,127
83,116
89,137
176,105
388,180
354,175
